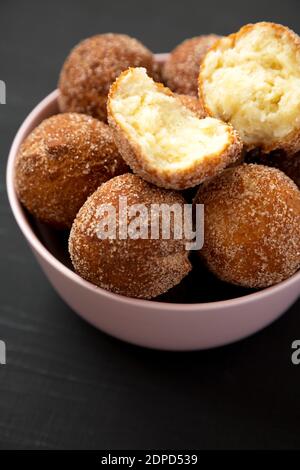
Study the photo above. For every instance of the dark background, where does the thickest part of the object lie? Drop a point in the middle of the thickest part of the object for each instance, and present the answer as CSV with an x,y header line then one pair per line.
x,y
67,385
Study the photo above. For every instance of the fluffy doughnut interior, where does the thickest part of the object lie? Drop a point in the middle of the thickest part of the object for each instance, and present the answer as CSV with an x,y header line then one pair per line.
x,y
169,135
253,82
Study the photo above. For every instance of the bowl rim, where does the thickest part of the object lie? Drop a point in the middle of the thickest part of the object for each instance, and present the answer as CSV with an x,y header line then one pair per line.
x,y
43,252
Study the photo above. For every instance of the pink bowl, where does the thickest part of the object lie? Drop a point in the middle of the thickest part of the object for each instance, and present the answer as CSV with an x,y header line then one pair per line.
x,y
152,324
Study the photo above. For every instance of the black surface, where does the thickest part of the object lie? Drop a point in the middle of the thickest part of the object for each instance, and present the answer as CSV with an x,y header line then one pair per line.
x,y
67,385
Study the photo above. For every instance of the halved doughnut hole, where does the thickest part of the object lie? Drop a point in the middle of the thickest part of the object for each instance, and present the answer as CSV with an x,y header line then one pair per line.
x,y
170,135
253,82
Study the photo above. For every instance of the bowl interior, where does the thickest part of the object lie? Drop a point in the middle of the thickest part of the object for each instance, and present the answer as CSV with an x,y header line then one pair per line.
x,y
200,286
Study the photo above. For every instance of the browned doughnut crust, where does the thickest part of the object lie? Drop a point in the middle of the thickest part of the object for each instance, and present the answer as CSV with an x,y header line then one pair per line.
x,y
61,163
291,143
91,68
181,69
193,104
194,175
252,226
289,164
142,268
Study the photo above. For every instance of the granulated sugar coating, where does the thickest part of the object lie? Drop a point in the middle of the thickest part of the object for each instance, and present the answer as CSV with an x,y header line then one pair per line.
x,y
289,164
181,70
252,226
143,268
93,65
61,163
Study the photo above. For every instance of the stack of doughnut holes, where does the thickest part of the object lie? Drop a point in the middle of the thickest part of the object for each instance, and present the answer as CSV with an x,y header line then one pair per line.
x,y
85,156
